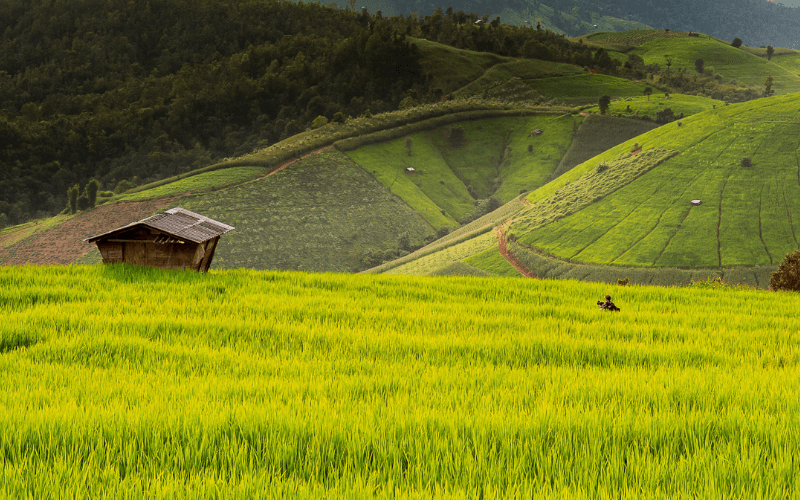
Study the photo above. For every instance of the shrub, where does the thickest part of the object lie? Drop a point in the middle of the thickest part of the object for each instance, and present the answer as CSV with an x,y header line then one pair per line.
x,y
622,282
746,162
601,168
91,192
122,186
787,277
319,121
83,202
736,43
409,144
457,136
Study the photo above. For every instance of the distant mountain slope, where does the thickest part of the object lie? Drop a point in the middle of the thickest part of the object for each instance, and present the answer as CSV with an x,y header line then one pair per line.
x,y
756,22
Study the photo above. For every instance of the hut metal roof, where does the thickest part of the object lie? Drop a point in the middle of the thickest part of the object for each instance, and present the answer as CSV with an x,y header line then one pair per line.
x,y
177,222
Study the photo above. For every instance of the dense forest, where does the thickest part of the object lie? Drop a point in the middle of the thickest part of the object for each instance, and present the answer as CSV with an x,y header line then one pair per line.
x,y
131,91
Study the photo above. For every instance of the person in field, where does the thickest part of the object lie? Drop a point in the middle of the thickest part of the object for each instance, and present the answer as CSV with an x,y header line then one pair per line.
x,y
607,305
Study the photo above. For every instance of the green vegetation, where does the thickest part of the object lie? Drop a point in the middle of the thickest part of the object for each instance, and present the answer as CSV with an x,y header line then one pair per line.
x,y
642,106
496,80
595,135
451,68
322,214
726,61
446,256
198,183
747,216
606,178
587,87
491,261
626,40
492,161
290,385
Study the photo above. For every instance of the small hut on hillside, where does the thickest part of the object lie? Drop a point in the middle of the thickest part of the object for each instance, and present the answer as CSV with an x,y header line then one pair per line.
x,y
175,239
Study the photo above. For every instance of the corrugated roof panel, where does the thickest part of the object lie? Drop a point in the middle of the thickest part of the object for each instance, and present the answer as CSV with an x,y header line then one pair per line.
x,y
180,223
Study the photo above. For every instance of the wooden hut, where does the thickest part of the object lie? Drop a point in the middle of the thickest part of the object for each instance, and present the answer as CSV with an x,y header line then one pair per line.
x,y
175,239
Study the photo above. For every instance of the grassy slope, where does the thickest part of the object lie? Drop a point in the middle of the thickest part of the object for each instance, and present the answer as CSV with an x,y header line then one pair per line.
x,y
728,62
451,68
587,86
291,385
749,216
320,214
444,172
642,106
595,135
207,181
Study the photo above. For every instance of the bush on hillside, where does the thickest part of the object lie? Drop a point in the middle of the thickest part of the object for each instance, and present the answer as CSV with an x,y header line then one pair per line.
x,y
787,277
746,162
122,186
457,136
736,43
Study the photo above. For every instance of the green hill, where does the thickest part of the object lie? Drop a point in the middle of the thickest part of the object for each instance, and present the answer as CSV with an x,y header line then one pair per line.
x,y
628,212
679,51
749,214
730,63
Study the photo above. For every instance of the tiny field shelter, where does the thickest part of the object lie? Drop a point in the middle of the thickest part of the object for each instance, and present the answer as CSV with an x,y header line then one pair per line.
x,y
174,239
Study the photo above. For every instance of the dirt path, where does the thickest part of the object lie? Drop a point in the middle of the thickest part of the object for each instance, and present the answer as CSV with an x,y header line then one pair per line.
x,y
64,243
502,246
294,160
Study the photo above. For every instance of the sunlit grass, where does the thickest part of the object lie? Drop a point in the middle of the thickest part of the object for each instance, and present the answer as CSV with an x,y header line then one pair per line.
x,y
129,382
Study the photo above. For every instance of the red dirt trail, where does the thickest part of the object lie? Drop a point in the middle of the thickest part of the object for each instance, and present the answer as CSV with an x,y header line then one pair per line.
x,y
502,246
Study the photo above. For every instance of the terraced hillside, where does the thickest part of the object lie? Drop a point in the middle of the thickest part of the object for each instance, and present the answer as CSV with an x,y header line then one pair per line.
x,y
628,212
740,161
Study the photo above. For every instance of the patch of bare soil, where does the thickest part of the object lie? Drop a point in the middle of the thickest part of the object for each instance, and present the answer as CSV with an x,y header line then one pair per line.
x,y
64,243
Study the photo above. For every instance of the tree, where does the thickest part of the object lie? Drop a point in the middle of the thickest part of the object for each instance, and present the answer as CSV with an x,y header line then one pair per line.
x,y
409,143
787,277
768,86
83,202
72,196
770,51
3,220
91,192
699,65
603,103
665,116
736,43
647,91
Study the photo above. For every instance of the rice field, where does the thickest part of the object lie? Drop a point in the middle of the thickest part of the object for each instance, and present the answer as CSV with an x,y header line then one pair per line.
x,y
747,215
123,382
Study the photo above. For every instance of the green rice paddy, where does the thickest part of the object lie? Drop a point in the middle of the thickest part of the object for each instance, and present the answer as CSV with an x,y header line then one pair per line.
x,y
124,382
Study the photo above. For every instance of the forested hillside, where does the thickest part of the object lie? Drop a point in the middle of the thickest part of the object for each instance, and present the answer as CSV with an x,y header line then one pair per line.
x,y
141,90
